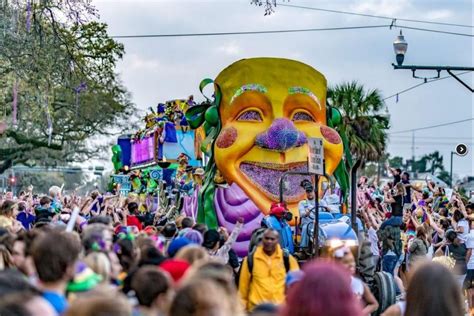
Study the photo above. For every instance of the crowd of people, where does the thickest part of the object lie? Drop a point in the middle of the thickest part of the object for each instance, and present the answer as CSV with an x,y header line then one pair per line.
x,y
104,255
408,224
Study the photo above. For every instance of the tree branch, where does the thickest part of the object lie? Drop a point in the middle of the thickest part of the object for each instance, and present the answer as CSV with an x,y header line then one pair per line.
x,y
21,139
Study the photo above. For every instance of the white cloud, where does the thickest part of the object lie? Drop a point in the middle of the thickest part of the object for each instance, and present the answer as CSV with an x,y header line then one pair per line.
x,y
137,62
438,14
382,7
400,9
230,48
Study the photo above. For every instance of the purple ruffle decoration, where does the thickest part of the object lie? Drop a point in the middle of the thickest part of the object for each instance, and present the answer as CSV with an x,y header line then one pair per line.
x,y
190,205
232,203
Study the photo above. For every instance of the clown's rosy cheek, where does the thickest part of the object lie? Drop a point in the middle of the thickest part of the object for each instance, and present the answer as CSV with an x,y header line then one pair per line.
x,y
330,135
227,137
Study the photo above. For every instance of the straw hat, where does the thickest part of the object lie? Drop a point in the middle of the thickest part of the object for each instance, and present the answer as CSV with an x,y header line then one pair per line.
x,y
199,171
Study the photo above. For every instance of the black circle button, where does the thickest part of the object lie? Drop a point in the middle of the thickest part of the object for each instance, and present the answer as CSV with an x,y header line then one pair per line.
x,y
461,149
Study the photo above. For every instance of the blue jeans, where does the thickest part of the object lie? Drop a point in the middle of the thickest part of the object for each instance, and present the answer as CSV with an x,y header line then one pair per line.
x,y
395,221
388,263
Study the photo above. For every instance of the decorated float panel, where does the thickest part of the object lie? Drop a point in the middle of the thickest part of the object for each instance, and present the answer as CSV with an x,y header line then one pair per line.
x,y
126,149
256,128
143,150
152,153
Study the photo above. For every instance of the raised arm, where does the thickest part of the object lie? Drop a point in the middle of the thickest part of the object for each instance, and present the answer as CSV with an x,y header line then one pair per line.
x,y
434,225
388,198
375,224
461,206
415,188
232,238
414,221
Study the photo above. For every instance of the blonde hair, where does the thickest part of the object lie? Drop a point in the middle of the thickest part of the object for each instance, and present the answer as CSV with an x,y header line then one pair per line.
x,y
178,220
400,188
192,254
220,275
6,260
54,191
100,303
100,264
202,297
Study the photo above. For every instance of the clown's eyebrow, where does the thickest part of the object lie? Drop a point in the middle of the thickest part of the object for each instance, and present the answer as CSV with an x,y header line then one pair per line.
x,y
302,90
248,87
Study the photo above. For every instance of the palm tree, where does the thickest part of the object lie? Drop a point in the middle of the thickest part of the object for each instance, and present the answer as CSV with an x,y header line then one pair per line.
x,y
363,129
436,162
362,121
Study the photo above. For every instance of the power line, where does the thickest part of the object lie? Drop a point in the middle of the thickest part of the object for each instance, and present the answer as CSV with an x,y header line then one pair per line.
x,y
433,126
417,146
284,31
420,84
432,137
252,32
433,31
406,90
375,16
429,143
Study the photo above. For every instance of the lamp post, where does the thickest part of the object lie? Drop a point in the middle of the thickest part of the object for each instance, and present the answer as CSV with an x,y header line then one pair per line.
x,y
451,169
400,47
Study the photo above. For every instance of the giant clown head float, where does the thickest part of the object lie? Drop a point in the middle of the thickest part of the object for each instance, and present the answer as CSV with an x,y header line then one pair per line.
x,y
258,126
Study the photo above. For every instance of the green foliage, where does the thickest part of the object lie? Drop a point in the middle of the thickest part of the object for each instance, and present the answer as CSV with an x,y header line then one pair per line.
x,y
370,170
429,163
396,162
444,176
362,121
43,181
64,66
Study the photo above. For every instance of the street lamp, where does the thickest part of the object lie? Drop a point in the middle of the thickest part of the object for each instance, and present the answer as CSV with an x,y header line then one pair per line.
x,y
400,46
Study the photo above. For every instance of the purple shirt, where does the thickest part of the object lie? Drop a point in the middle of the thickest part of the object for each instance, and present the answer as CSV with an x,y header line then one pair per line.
x,y
26,219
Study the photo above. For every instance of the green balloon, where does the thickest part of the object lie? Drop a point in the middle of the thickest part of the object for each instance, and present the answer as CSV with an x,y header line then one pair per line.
x,y
336,117
117,157
212,116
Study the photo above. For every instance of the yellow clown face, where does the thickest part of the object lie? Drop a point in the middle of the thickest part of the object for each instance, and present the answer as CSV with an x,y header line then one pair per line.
x,y
269,108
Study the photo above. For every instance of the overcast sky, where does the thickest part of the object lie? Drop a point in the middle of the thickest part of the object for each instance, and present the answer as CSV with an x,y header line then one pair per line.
x,y
159,69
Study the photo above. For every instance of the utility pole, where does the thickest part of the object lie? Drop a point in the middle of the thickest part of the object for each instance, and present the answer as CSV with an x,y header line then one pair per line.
x,y
413,154
451,170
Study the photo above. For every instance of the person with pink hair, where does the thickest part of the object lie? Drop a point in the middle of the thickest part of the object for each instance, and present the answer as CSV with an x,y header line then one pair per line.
x,y
324,291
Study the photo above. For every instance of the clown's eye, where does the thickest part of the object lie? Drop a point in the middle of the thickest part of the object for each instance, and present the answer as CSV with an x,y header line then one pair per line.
x,y
302,116
251,115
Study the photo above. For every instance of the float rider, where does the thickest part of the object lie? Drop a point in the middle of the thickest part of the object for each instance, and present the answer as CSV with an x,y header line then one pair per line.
x,y
278,219
307,213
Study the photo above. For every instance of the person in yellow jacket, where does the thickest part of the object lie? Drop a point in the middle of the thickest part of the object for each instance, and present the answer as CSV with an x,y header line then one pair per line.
x,y
262,277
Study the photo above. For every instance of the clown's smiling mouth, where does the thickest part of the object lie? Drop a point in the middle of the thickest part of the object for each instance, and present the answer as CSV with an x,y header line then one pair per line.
x,y
266,176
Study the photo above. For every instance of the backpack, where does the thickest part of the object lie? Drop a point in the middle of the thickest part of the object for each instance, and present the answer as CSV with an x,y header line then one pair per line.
x,y
286,262
255,240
